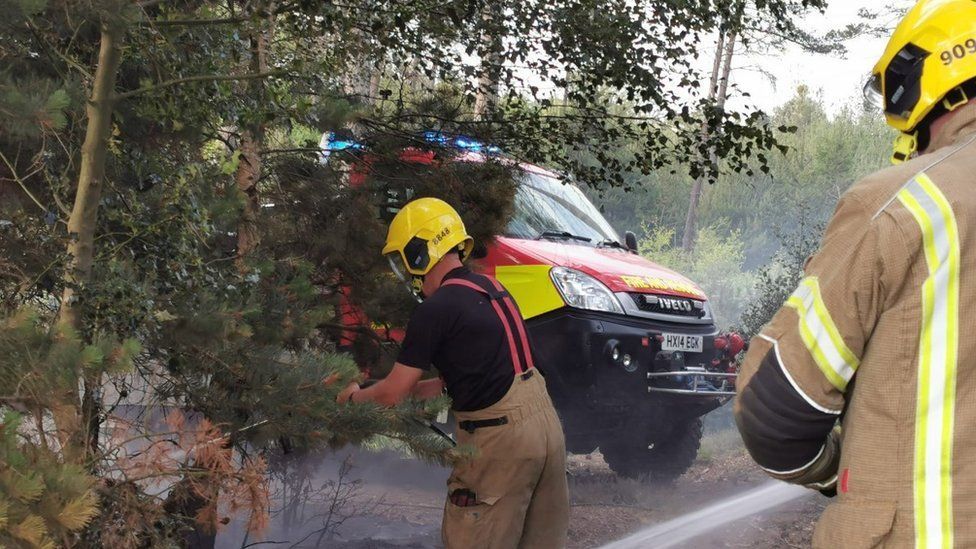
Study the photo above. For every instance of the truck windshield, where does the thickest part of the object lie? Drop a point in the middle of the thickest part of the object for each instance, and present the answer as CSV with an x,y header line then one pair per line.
x,y
546,207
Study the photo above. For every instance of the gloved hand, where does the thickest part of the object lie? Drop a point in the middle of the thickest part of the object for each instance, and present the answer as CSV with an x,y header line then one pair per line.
x,y
821,475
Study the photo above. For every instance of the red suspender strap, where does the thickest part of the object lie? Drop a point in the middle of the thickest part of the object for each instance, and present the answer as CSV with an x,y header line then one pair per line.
x,y
517,318
512,346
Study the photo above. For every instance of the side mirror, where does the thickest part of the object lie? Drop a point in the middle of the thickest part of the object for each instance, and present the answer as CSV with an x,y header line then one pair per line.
x,y
630,240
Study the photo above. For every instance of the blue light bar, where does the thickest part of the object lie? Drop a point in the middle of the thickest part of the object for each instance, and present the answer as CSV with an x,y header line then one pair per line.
x,y
466,144
436,137
335,144
343,145
460,142
331,143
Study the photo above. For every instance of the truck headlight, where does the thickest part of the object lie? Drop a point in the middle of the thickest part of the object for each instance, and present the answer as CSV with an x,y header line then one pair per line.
x,y
582,291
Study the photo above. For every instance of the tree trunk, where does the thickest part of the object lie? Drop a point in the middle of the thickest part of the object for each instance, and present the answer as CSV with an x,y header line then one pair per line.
x,y
249,169
248,174
491,64
362,77
81,229
723,84
717,92
375,81
84,214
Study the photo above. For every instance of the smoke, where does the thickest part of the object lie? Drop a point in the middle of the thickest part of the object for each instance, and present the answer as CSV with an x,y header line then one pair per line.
x,y
350,499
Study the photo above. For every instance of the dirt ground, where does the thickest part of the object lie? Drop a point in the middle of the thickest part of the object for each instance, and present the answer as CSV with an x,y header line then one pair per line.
x,y
384,502
606,508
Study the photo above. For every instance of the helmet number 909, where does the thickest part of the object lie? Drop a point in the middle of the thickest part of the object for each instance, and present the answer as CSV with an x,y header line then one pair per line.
x,y
959,51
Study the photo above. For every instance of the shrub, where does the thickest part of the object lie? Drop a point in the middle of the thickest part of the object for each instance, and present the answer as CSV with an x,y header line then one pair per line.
x,y
716,264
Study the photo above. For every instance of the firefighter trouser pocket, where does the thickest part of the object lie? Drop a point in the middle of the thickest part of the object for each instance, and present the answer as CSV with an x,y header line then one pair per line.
x,y
855,524
494,517
469,526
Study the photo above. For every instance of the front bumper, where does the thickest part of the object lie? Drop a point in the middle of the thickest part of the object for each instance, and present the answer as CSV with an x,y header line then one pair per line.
x,y
574,349
692,383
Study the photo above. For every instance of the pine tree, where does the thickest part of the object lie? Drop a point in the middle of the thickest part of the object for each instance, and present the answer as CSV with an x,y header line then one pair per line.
x,y
43,499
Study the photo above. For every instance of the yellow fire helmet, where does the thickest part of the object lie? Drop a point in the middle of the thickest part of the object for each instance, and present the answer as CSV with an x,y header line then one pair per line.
x,y
930,56
421,234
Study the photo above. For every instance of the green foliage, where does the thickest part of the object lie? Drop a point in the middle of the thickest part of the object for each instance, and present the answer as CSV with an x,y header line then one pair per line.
x,y
27,7
40,365
759,230
780,277
30,108
42,500
716,264
482,192
825,156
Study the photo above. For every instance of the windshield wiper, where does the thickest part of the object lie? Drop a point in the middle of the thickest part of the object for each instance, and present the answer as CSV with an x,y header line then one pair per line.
x,y
563,234
613,244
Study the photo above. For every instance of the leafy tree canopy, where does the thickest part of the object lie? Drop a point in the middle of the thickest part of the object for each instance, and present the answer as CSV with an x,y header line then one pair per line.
x,y
171,241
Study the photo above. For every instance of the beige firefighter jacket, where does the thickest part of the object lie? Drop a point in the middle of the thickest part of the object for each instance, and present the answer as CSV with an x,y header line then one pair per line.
x,y
880,337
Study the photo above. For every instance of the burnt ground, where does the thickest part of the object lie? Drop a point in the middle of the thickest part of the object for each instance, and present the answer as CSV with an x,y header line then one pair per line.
x,y
383,501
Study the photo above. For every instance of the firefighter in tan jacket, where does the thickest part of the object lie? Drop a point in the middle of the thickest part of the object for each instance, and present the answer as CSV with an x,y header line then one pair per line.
x,y
865,382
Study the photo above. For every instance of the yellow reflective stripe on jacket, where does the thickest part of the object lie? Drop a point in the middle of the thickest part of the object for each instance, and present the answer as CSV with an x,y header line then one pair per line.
x,y
821,336
938,354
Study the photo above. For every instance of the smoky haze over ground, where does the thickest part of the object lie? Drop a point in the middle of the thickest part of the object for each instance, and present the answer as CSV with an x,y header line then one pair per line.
x,y
351,498
359,499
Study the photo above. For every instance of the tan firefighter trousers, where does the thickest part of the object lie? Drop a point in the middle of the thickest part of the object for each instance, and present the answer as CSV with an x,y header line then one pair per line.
x,y
518,475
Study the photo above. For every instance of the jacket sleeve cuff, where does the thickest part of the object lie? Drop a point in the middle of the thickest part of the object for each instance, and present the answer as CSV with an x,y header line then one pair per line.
x,y
788,437
821,473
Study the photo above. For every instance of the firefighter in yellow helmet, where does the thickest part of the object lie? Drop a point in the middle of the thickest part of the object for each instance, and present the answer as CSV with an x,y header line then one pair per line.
x,y
513,492
864,383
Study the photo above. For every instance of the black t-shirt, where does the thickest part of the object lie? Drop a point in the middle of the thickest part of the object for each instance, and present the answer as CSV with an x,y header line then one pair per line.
x,y
457,331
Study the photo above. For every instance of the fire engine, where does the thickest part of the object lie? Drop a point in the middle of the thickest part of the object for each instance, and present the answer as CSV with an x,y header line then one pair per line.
x,y
631,353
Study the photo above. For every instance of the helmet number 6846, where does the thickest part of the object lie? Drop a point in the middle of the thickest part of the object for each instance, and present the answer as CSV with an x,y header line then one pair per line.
x,y
959,51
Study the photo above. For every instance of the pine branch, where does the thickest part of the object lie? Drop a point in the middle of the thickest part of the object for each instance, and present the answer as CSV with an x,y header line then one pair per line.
x,y
199,78
52,49
78,512
197,22
23,186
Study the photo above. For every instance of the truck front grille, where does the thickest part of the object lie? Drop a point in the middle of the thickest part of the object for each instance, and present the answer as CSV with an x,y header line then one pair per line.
x,y
667,305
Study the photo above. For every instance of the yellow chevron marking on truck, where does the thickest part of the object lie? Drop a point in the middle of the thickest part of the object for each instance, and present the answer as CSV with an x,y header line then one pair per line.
x,y
531,287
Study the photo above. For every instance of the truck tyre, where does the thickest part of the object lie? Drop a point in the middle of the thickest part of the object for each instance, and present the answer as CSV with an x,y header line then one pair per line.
x,y
666,460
